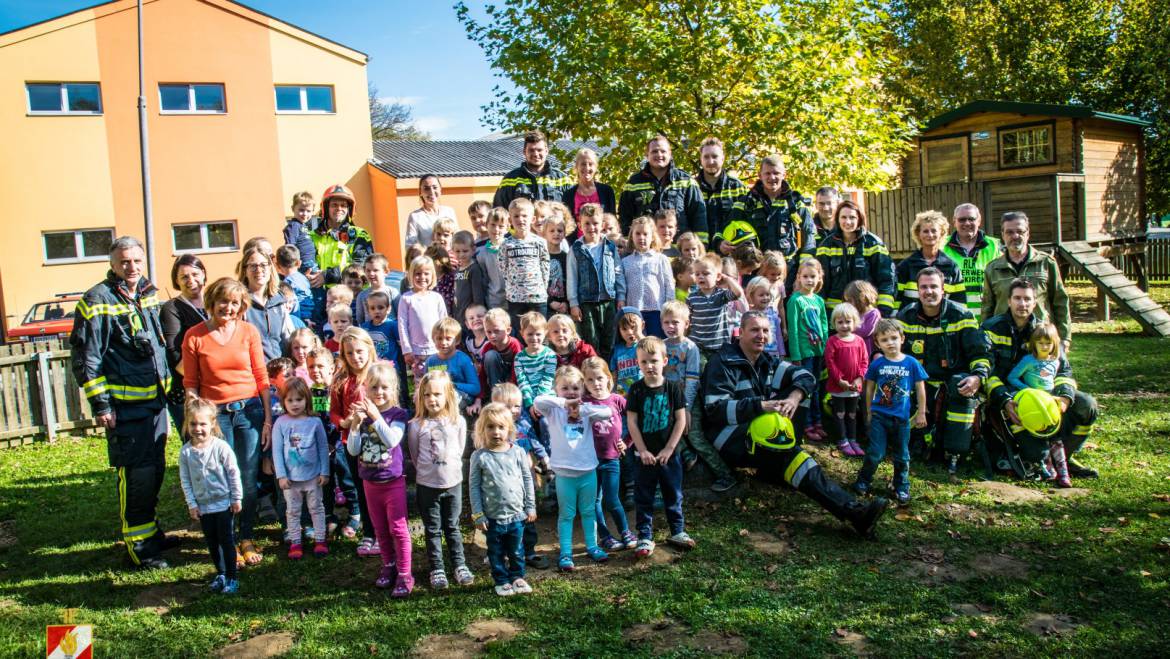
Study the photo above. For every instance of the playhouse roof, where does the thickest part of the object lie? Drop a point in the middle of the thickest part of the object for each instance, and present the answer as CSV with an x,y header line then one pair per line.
x,y
1046,109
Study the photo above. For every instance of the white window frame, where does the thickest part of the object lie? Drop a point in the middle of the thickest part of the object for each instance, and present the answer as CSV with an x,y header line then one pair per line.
x,y
191,97
204,238
79,246
305,99
63,87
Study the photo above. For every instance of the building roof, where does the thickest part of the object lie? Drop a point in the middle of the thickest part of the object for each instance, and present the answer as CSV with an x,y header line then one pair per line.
x,y
496,157
1014,107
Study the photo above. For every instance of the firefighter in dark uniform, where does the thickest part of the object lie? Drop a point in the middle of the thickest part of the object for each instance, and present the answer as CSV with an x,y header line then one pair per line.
x,y
945,337
720,191
779,214
536,179
1008,335
742,383
661,185
119,359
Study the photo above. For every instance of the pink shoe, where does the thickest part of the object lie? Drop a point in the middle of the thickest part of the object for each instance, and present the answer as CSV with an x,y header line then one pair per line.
x,y
338,496
810,433
857,450
844,447
403,587
368,547
387,577
320,550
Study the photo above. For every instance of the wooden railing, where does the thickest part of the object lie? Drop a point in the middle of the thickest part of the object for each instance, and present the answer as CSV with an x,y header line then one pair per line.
x,y
890,213
39,396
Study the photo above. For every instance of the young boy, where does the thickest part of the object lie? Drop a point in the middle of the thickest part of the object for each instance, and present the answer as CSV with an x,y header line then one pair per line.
x,y
508,394
524,264
291,305
333,297
468,274
296,231
596,283
683,279
500,350
288,264
537,363
666,224
353,279
888,383
657,416
382,329
624,362
713,291
457,364
478,213
320,366
682,366
376,267
488,258
340,319
556,225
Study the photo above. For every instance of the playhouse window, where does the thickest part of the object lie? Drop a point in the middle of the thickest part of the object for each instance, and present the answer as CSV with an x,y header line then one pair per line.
x,y
1025,147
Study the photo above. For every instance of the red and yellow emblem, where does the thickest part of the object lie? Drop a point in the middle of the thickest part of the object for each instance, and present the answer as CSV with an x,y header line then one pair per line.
x,y
69,641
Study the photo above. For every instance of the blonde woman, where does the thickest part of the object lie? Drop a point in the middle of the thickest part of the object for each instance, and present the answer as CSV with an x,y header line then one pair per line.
x,y
930,233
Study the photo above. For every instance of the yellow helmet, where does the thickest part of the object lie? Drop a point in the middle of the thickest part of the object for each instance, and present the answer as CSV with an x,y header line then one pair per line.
x,y
771,430
739,232
1038,411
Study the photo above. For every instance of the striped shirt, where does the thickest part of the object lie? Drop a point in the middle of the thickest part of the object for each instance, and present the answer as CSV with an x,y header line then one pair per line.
x,y
534,373
709,329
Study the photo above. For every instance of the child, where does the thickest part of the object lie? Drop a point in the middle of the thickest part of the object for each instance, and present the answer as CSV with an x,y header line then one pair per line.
x,y
444,274
808,329
563,339
453,362
656,417
734,309
503,499
596,281
474,336
488,258
649,281
320,367
612,230
684,365
574,461
333,297
210,477
301,453
499,350
759,298
748,260
556,225
376,267
346,395
291,305
288,264
524,264
375,440
383,329
478,213
353,279
418,311
508,395
1037,370
666,226
300,344
297,231
846,359
468,274
775,270
683,279
888,382
707,302
536,365
624,362
340,319
444,232
690,246
607,441
436,437
863,296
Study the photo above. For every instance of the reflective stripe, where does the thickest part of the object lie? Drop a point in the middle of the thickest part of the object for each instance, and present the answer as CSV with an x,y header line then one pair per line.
x,y
122,512
722,437
1082,430
954,288
95,387
831,302
730,412
711,400
1064,380
778,375
992,384
129,392
830,251
743,385
637,187
961,417
876,249
999,339
976,363
886,299
135,533
801,464
1015,429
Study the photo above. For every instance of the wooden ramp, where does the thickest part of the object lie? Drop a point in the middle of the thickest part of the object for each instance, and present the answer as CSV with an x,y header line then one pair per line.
x,y
1153,319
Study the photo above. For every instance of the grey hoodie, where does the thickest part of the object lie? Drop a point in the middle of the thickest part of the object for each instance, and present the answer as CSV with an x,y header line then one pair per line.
x,y
210,477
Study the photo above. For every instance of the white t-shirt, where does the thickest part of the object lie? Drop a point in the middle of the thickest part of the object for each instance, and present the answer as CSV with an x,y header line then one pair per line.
x,y
420,225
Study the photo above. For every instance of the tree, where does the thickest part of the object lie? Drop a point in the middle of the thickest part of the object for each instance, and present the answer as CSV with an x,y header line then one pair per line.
x,y
800,78
392,121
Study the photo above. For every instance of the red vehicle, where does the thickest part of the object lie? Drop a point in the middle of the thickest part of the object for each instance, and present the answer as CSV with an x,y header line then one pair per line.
x,y
47,319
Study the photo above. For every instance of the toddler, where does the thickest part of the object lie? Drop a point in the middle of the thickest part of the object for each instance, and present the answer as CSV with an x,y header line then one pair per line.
x,y
846,359
382,328
1038,370
298,231
863,296
708,301
300,344
300,451
607,440
563,339
536,365
456,364
376,267
210,478
666,226
624,362
690,246
556,225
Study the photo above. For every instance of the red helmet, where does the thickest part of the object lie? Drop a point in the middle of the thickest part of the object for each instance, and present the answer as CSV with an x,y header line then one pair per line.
x,y
338,191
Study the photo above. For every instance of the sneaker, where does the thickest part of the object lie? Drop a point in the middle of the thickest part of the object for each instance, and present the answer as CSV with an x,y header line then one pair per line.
x,y
521,587
565,564
630,539
612,544
723,484
682,540
866,520
644,548
861,488
597,554
439,580
505,590
295,552
1078,470
902,497
857,450
404,586
217,583
1063,481
331,528
811,434
338,496
844,447
387,577
231,586
320,549
463,576
368,547
153,563
538,561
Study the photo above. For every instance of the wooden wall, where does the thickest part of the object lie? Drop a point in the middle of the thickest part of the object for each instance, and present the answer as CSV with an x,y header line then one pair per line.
x,y
1113,187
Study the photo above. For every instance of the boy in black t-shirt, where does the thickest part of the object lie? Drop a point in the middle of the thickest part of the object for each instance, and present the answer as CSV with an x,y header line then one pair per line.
x,y
656,414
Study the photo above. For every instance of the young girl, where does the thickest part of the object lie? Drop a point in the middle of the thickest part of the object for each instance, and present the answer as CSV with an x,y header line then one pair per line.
x,y
300,451
347,393
1038,370
775,270
435,438
607,440
759,298
418,311
376,442
807,331
502,497
444,274
557,224
863,296
613,231
574,461
300,344
624,362
690,247
210,477
563,339
846,358
649,280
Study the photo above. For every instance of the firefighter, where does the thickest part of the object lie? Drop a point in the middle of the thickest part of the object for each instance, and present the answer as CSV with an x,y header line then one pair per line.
x,y
851,252
927,231
778,213
119,357
973,250
720,190
661,185
535,178
339,241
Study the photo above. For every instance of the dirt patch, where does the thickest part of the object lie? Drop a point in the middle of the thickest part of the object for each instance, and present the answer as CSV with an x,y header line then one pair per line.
x,y
999,565
7,534
1070,492
1007,492
666,635
265,645
972,611
857,644
663,555
161,599
471,642
1050,624
957,512
766,543
929,564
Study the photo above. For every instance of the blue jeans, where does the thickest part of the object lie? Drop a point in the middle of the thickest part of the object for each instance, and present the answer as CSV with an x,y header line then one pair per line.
x,y
241,430
609,498
576,495
647,479
813,365
887,431
503,550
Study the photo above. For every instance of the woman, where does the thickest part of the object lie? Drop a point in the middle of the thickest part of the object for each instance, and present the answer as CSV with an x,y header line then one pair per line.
x,y
850,253
421,223
265,307
223,362
179,314
588,190
929,231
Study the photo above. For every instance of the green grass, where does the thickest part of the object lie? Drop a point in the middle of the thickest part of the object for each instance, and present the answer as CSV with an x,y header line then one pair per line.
x,y
1101,559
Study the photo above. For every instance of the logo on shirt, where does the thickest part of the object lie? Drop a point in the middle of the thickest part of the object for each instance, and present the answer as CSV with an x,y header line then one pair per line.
x,y
918,347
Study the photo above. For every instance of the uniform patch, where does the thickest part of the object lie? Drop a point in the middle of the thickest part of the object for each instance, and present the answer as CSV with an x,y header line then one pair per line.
x,y
918,347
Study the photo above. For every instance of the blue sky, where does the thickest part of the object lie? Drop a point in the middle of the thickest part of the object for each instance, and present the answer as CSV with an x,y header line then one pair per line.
x,y
419,53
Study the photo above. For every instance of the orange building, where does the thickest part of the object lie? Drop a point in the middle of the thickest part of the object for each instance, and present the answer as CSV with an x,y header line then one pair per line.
x,y
243,111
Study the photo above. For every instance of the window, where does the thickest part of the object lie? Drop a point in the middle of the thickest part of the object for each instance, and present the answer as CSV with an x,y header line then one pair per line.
x,y
78,246
193,99
295,98
204,237
64,97
945,160
1025,146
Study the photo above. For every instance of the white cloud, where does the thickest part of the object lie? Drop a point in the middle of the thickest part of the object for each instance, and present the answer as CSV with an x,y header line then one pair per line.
x,y
436,126
410,101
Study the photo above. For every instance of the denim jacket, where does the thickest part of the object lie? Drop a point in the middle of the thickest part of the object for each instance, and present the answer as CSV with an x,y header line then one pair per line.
x,y
591,283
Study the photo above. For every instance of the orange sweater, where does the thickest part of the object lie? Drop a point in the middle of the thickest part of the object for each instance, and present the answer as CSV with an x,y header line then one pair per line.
x,y
227,373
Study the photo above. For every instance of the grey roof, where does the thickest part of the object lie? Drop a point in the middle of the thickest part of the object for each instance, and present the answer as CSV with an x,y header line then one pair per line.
x,y
411,159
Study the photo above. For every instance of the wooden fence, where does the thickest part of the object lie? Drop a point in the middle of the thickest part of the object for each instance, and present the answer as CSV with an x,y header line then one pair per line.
x,y
38,395
890,213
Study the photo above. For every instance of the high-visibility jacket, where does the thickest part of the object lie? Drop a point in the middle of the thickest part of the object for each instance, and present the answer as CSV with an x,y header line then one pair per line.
x,y
907,275
645,193
972,264
119,355
948,344
865,258
549,184
719,199
339,248
783,224
1008,343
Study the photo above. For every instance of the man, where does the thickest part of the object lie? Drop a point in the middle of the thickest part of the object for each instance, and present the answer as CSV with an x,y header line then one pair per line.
x,y
946,339
742,382
536,178
1008,335
1040,268
972,250
777,213
338,240
662,185
120,360
720,189
825,201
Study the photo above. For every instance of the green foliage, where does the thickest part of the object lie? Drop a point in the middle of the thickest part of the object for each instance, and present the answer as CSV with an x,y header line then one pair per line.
x,y
801,78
